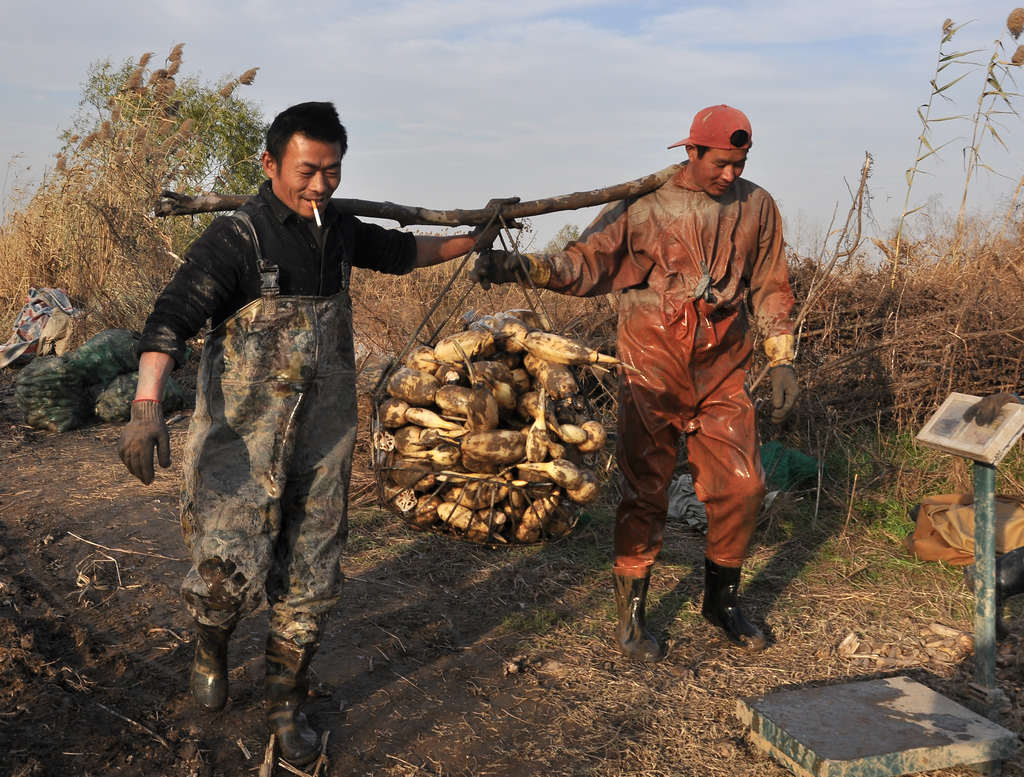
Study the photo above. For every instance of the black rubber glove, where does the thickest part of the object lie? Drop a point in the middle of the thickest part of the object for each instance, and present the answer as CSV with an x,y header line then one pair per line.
x,y
145,431
495,266
784,391
986,410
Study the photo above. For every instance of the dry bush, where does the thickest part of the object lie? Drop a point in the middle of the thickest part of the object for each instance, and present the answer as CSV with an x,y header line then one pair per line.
x,y
871,348
89,227
388,309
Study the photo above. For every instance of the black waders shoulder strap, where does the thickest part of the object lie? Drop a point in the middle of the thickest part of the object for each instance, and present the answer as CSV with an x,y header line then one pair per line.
x,y
270,276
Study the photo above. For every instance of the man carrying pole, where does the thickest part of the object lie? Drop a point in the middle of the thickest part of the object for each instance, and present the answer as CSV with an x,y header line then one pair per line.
x,y
269,452
683,259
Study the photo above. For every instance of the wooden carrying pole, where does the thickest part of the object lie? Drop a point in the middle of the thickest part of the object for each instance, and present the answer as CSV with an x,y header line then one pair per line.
x,y
175,204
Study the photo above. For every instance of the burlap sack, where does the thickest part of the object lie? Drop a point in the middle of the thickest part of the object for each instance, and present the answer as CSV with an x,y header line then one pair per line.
x,y
945,528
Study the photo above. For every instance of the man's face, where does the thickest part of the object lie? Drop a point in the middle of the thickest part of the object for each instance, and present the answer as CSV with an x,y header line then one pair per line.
x,y
715,172
309,171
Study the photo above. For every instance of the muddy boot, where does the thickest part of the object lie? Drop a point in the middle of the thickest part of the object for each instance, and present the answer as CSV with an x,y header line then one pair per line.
x,y
631,602
286,686
209,680
721,606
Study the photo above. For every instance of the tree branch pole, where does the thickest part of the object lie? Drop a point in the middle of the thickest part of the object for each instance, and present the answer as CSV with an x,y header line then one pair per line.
x,y
175,204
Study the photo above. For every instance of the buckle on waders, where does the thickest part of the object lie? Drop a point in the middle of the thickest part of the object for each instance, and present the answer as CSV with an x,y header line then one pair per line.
x,y
269,286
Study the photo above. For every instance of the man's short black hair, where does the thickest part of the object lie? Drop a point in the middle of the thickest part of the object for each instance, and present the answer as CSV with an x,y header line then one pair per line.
x,y
701,151
318,121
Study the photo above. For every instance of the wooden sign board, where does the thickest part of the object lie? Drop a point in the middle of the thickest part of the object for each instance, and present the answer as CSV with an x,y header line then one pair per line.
x,y
948,431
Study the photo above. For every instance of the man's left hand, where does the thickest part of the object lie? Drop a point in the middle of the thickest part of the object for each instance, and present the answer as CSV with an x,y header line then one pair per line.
x,y
785,390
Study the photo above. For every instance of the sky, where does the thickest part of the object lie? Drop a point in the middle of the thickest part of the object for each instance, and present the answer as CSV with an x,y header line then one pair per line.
x,y
451,102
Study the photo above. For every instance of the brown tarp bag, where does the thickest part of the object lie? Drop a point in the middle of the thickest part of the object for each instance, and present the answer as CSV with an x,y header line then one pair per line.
x,y
945,528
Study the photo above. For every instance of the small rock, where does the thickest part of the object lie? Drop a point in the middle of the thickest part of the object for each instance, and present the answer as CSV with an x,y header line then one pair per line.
x,y
555,669
515,666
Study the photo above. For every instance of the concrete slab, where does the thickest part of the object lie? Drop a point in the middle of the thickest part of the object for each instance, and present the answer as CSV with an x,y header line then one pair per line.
x,y
872,728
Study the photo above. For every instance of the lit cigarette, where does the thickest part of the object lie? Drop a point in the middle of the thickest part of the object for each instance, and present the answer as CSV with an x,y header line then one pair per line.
x,y
316,216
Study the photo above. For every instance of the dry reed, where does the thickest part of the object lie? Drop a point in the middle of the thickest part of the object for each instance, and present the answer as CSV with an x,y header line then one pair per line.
x,y
88,228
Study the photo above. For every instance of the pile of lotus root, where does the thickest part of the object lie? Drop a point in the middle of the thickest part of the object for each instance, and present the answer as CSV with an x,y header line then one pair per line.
x,y
484,435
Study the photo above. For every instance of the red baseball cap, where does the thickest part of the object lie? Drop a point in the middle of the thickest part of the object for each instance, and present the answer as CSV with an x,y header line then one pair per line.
x,y
719,126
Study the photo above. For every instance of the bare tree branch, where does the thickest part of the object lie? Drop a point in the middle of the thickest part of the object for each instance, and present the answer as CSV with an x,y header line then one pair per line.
x,y
175,204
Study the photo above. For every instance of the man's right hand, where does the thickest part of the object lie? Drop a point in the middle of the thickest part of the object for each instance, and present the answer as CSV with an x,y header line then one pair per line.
x,y
145,431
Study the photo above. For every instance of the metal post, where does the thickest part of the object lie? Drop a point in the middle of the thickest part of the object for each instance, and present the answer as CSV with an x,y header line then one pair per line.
x,y
985,579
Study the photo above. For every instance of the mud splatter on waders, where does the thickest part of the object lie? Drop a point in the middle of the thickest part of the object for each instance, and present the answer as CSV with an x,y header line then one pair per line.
x,y
267,469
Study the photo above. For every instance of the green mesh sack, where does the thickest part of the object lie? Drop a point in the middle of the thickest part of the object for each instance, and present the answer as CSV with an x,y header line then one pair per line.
x,y
104,356
787,467
51,395
114,404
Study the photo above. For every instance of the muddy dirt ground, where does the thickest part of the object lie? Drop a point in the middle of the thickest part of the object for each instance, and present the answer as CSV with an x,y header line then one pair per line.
x,y
444,659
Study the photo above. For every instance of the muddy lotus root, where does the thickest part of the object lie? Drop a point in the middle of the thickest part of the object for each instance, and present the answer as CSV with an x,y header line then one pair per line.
x,y
484,435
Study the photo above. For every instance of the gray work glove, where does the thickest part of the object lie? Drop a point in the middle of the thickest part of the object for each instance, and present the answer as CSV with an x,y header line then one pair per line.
x,y
986,410
145,431
784,391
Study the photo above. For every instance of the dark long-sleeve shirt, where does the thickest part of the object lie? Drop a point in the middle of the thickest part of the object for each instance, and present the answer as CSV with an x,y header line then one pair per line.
x,y
220,273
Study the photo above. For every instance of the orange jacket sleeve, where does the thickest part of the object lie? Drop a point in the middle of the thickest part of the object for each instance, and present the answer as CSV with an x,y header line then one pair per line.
x,y
600,261
770,295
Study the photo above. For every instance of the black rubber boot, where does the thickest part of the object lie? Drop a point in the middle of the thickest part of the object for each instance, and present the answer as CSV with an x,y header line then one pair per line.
x,y
1009,582
635,642
1010,574
721,606
209,679
286,686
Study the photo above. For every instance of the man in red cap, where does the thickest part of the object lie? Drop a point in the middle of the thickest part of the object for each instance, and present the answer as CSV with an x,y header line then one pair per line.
x,y
683,258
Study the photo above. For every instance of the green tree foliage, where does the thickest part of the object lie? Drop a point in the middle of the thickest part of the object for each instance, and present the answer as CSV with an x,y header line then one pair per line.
x,y
227,131
562,238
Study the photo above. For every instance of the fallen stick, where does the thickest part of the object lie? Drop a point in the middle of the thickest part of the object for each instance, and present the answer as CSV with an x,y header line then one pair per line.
x,y
123,550
293,769
175,204
267,767
244,749
321,761
134,723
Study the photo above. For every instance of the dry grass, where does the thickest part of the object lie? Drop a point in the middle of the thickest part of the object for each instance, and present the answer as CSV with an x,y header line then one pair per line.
x,y
549,692
869,350
88,228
